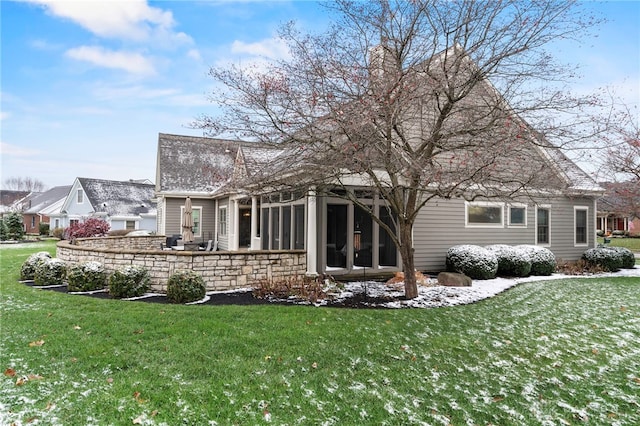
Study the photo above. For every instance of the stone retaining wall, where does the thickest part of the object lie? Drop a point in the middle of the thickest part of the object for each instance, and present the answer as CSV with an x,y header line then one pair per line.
x,y
221,270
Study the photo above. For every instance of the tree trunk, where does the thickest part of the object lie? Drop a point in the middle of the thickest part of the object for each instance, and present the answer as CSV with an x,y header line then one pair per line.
x,y
408,266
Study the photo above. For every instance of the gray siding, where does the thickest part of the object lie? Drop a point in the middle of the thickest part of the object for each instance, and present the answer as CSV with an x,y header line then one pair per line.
x,y
173,220
441,225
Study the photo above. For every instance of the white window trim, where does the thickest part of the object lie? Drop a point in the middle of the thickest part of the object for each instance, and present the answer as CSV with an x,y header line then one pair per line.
x,y
545,207
193,208
223,230
526,214
80,192
468,204
575,234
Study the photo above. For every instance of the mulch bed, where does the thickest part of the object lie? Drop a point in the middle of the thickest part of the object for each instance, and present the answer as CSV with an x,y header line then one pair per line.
x,y
233,298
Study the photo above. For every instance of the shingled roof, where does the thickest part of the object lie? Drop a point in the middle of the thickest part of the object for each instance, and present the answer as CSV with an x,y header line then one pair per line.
x,y
191,164
119,198
43,200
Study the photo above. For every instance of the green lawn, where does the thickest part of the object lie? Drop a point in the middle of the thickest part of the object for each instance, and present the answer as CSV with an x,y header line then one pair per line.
x,y
555,352
632,244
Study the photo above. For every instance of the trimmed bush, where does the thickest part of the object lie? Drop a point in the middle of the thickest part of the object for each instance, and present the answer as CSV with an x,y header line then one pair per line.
x,y
628,258
512,261
92,227
58,233
474,261
50,272
86,276
543,261
184,287
28,269
132,281
608,258
43,228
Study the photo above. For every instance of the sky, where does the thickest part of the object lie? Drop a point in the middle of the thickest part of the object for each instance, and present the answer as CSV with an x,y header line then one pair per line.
x,y
86,86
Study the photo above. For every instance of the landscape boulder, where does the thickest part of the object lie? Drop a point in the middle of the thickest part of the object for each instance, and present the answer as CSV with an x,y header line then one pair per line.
x,y
453,279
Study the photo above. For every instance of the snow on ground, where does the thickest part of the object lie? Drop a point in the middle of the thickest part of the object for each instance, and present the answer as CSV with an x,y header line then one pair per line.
x,y
434,296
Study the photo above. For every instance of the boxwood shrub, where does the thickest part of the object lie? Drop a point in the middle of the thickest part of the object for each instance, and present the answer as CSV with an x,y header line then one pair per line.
x,y
628,258
184,287
512,261
86,276
610,258
50,272
474,261
131,281
543,261
28,269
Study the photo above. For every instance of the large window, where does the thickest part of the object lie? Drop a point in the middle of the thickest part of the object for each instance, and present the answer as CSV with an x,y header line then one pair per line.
x,y
222,221
275,228
298,231
543,225
283,225
387,253
336,237
580,218
482,214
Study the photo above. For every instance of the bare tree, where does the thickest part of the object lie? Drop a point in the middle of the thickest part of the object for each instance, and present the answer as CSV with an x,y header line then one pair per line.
x,y
24,184
416,99
621,161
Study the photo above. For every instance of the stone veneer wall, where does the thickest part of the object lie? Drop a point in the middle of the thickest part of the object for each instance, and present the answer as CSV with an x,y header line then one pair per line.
x,y
221,270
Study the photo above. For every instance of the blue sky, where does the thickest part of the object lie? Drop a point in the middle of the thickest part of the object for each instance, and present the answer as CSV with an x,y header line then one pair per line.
x,y
86,86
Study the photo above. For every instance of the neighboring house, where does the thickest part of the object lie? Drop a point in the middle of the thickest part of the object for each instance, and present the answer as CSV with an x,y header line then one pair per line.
x,y
123,204
10,199
37,207
619,208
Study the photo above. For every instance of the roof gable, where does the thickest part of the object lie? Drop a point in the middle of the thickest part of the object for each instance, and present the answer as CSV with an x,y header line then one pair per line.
x,y
191,164
119,198
42,201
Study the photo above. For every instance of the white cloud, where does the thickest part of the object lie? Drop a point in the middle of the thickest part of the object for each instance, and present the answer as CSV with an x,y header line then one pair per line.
x,y
194,54
272,48
16,151
130,19
127,61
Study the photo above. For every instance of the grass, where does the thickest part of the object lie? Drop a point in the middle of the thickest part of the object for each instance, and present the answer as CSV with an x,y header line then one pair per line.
x,y
556,352
632,244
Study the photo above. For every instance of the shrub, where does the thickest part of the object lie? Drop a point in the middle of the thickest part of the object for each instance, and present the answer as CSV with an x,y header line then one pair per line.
x,y
512,261
28,269
300,287
92,227
543,261
4,231
15,228
184,287
628,258
50,272
58,233
86,276
473,261
43,228
609,258
132,281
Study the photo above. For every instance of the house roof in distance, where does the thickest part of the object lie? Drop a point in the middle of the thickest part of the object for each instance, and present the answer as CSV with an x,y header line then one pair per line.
x,y
39,202
119,198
